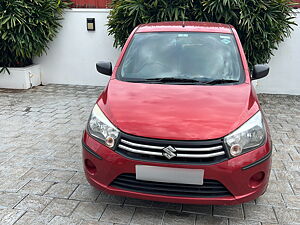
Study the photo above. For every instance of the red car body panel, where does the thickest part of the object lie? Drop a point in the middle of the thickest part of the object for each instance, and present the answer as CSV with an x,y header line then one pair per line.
x,y
190,26
180,112
177,112
229,173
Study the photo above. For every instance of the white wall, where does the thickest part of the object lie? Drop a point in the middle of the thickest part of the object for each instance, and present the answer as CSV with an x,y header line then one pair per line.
x,y
72,55
284,77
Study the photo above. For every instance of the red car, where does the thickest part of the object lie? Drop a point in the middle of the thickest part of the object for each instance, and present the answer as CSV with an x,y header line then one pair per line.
x,y
179,120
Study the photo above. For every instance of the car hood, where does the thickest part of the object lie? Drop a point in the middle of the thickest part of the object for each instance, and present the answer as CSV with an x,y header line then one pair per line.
x,y
177,112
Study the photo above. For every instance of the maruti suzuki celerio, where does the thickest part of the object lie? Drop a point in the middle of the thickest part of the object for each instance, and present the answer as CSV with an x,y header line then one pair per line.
x,y
179,120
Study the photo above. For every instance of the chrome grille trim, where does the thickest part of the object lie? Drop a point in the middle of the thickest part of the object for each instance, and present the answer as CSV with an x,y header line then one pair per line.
x,y
201,155
155,150
200,149
141,145
186,152
177,148
139,151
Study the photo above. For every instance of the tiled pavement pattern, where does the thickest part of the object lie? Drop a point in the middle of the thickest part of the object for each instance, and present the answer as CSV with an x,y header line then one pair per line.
x,y
42,182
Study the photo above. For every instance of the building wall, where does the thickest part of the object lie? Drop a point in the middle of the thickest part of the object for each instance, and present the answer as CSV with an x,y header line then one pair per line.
x,y
72,55
91,4
106,3
284,77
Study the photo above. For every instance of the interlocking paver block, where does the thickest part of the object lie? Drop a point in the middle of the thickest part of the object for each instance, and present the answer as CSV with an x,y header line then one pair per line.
x,y
61,190
260,213
93,222
147,216
10,216
285,175
117,214
209,220
293,166
167,206
89,210
36,187
235,211
110,199
243,222
199,209
36,174
13,170
288,216
34,218
176,218
85,193
292,201
60,207
78,178
295,186
268,198
59,176
138,202
61,220
34,203
10,199
279,187
12,185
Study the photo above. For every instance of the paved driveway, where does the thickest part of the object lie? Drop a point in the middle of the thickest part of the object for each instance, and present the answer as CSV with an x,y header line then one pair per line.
x,y
41,179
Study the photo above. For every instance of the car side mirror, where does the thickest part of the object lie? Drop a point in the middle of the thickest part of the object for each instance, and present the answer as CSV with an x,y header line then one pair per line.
x,y
104,68
260,71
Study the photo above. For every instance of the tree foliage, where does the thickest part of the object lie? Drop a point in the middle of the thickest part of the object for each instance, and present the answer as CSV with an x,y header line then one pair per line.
x,y
26,27
261,24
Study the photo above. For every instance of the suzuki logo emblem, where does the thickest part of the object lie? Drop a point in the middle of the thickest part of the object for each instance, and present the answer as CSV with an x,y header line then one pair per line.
x,y
169,152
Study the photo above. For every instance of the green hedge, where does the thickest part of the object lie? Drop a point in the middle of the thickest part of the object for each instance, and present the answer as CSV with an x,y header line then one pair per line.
x,y
26,27
261,24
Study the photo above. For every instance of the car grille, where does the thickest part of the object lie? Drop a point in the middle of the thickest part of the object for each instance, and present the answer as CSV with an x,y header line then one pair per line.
x,y
190,152
209,189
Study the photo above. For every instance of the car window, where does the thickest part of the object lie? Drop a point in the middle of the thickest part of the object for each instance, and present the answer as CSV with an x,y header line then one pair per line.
x,y
191,55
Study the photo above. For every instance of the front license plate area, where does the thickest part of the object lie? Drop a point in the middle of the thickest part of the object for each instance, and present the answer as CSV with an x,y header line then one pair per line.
x,y
169,174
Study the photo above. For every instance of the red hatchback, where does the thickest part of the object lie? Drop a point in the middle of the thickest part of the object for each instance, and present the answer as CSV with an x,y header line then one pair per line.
x,y
179,120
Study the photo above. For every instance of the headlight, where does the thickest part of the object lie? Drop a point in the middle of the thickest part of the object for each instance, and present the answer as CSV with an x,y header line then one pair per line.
x,y
101,128
250,135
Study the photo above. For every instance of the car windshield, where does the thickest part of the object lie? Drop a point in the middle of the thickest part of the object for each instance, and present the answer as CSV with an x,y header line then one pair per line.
x,y
190,57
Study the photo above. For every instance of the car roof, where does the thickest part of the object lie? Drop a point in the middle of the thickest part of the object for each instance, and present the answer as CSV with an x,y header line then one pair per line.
x,y
185,26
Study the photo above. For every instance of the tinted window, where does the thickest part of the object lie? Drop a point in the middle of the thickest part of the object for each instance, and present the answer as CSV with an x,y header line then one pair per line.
x,y
192,55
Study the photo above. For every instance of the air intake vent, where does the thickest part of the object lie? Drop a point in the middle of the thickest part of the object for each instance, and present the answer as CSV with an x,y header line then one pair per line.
x,y
209,189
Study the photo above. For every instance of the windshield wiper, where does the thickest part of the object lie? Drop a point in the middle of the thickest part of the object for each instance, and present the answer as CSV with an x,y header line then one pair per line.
x,y
185,80
220,81
173,79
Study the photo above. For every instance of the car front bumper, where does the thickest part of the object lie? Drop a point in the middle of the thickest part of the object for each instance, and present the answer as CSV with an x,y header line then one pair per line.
x,y
235,174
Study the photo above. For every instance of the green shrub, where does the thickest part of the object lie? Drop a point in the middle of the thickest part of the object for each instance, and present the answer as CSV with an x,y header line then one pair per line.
x,y
26,26
261,24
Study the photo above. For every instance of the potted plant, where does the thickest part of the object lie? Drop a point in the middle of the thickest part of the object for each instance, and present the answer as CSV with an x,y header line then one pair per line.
x,y
26,27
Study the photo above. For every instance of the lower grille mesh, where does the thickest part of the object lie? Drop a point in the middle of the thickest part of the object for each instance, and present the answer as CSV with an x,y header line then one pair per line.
x,y
209,189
